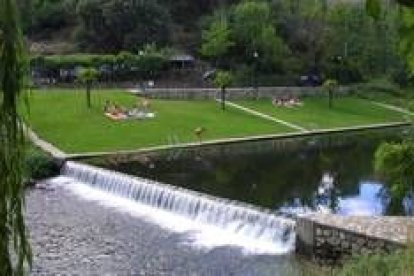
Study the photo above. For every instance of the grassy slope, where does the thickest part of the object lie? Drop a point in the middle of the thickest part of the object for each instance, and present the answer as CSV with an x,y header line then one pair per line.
x,y
61,117
315,114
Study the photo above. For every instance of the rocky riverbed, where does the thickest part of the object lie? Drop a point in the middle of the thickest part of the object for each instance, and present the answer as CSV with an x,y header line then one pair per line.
x,y
72,236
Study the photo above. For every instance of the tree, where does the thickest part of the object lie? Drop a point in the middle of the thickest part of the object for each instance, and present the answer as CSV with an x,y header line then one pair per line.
x,y
151,60
222,80
87,76
374,9
407,37
245,34
366,48
216,39
14,244
330,85
395,162
114,25
254,32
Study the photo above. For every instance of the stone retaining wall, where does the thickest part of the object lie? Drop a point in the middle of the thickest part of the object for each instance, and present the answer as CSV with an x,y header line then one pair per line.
x,y
235,93
331,239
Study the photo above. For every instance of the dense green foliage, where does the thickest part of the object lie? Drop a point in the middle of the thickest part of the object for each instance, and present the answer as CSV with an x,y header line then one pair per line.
x,y
223,79
216,40
112,25
146,63
395,264
395,161
15,250
331,39
337,41
39,165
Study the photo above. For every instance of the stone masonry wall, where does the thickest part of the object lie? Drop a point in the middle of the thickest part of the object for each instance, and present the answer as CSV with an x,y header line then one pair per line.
x,y
329,243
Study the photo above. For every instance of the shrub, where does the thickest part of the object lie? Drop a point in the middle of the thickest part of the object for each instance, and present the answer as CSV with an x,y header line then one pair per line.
x,y
398,263
410,105
39,165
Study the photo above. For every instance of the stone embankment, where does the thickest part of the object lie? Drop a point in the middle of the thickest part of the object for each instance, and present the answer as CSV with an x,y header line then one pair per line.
x,y
327,238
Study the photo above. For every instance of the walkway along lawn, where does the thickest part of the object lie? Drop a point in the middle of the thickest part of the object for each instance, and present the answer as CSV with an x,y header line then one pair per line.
x,y
62,118
315,113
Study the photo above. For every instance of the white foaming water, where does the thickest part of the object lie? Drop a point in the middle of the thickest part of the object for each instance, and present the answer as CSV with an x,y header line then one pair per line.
x,y
208,221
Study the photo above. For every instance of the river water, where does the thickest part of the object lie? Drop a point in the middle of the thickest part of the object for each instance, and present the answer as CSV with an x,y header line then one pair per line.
x,y
74,236
76,230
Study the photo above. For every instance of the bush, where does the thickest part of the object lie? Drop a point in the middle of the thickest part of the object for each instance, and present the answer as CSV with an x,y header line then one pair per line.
x,y
398,263
375,89
410,105
123,66
39,165
401,76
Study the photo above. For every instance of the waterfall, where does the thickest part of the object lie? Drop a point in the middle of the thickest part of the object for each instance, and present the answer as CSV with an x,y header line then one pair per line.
x,y
259,225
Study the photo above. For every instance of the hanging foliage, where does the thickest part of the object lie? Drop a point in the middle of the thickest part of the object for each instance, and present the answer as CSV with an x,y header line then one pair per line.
x,y
373,8
14,247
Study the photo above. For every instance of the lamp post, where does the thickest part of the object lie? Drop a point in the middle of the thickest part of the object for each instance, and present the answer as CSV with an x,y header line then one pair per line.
x,y
256,90
339,61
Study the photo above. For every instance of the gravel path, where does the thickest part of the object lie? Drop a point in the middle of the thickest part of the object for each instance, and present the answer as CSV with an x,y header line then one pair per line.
x,y
71,236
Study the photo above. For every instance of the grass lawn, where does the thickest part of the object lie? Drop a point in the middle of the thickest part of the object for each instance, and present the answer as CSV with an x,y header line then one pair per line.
x,y
61,117
315,114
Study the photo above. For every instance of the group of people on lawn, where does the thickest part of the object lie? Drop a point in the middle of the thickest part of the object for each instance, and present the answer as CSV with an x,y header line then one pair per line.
x,y
289,101
141,110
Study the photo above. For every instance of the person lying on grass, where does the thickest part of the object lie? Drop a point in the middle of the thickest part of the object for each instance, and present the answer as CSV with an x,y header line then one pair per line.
x,y
286,102
116,112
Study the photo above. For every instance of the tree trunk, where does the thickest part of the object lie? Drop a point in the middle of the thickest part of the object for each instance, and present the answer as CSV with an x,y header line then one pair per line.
x,y
88,94
223,98
330,98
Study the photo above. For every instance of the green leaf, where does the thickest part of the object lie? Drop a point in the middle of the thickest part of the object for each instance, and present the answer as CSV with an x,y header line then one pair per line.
x,y
373,8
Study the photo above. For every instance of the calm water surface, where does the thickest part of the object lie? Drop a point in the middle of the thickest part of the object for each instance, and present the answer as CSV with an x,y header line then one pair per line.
x,y
326,172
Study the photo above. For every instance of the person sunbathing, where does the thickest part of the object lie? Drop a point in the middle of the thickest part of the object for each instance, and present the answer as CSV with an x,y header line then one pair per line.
x,y
286,102
107,106
277,102
146,105
116,112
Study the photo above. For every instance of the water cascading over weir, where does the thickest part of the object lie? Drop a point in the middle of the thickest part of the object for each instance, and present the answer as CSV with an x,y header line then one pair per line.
x,y
247,221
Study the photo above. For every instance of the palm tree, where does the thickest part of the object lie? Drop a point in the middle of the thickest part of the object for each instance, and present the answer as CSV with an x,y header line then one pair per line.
x,y
87,76
223,79
13,233
330,85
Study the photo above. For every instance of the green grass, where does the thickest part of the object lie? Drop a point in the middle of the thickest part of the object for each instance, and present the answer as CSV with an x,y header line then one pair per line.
x,y
315,114
403,98
61,117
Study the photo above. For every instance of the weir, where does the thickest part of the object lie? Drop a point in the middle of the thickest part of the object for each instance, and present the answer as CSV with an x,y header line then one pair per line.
x,y
259,225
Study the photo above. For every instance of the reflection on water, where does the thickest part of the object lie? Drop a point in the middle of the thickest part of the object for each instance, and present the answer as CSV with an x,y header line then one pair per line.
x,y
329,173
368,201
